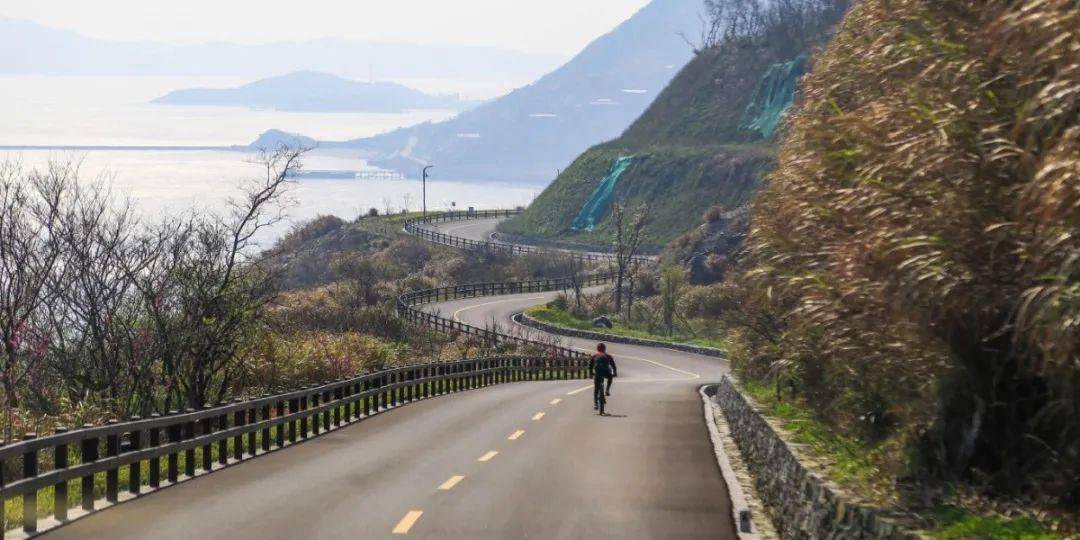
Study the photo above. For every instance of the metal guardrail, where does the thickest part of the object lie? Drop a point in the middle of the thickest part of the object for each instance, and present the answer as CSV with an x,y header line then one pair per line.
x,y
407,309
407,302
414,226
214,437
206,440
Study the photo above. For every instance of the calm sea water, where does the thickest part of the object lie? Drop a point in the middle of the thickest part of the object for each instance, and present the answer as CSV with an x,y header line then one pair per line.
x,y
114,111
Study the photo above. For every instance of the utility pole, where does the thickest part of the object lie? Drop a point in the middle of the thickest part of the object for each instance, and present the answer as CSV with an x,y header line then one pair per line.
x,y
423,179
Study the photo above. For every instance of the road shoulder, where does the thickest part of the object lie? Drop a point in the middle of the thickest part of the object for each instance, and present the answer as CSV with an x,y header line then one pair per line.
x,y
751,516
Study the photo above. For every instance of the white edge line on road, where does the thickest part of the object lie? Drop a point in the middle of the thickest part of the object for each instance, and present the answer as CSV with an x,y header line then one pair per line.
x,y
689,375
467,308
579,390
467,225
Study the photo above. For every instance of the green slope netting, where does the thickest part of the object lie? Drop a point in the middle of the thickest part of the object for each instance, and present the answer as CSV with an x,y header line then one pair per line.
x,y
600,200
774,95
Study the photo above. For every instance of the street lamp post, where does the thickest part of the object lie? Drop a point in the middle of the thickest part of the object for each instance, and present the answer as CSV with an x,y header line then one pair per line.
x,y
423,179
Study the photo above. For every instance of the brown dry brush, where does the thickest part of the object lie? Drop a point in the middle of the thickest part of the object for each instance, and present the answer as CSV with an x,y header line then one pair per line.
x,y
104,313
920,240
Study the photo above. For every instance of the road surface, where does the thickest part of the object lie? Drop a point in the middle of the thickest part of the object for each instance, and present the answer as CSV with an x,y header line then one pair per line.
x,y
471,229
481,229
521,460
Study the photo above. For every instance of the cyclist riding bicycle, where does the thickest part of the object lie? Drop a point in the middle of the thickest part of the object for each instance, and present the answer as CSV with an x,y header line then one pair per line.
x,y
603,369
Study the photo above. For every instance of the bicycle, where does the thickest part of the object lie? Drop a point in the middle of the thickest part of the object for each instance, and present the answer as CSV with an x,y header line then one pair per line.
x,y
599,395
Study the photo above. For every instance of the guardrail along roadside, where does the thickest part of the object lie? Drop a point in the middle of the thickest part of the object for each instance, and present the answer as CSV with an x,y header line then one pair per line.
x,y
183,445
407,302
408,310
415,226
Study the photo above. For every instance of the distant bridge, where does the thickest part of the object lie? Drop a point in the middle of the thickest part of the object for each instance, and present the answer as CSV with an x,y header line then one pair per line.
x,y
381,174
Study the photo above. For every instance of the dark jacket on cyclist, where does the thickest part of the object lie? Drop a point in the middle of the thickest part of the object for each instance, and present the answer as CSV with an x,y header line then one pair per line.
x,y
603,365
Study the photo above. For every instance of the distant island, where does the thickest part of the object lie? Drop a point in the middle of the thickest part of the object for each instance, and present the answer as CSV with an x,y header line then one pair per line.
x,y
310,91
528,135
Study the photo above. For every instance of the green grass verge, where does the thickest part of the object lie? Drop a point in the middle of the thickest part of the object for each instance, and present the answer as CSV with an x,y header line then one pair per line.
x,y
962,526
850,462
853,464
568,320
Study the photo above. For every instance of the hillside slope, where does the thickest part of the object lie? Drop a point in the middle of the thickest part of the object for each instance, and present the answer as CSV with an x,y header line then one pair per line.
x,y
528,134
706,140
916,250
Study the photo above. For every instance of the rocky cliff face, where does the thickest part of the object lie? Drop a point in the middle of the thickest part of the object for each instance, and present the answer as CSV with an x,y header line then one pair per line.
x,y
708,251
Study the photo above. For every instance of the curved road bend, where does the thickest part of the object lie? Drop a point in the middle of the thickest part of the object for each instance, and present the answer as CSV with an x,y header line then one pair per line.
x,y
553,468
472,229
480,230
649,469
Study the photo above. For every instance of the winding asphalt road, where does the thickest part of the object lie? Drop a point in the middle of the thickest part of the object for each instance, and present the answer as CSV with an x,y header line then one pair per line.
x,y
472,229
521,460
480,230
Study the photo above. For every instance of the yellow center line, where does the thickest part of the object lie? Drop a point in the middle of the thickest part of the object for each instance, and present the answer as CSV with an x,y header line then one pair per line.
x,y
538,416
457,313
451,482
488,456
407,522
516,435
555,401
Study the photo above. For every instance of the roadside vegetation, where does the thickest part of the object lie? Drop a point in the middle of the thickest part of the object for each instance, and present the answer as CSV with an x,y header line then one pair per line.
x,y
854,463
693,147
645,324
905,303
105,315
909,285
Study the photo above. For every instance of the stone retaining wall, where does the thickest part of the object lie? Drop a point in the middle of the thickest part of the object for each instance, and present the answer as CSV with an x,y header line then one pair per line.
x,y
802,503
525,319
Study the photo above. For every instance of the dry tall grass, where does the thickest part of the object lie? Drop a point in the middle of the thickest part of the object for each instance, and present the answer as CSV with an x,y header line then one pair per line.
x,y
920,240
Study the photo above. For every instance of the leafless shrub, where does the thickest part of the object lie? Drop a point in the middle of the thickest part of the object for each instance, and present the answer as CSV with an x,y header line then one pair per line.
x,y
781,23
628,229
98,306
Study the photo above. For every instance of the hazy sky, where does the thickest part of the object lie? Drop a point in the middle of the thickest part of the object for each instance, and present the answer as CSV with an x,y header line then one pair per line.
x,y
555,26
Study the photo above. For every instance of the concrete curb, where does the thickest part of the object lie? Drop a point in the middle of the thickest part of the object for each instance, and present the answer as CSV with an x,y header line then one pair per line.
x,y
802,502
740,508
525,320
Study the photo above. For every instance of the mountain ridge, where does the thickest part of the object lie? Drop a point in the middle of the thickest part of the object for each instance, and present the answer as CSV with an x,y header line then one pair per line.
x,y
530,133
313,91
694,147
27,47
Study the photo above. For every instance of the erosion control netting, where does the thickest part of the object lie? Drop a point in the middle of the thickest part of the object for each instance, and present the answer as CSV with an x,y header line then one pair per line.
x,y
600,201
773,97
